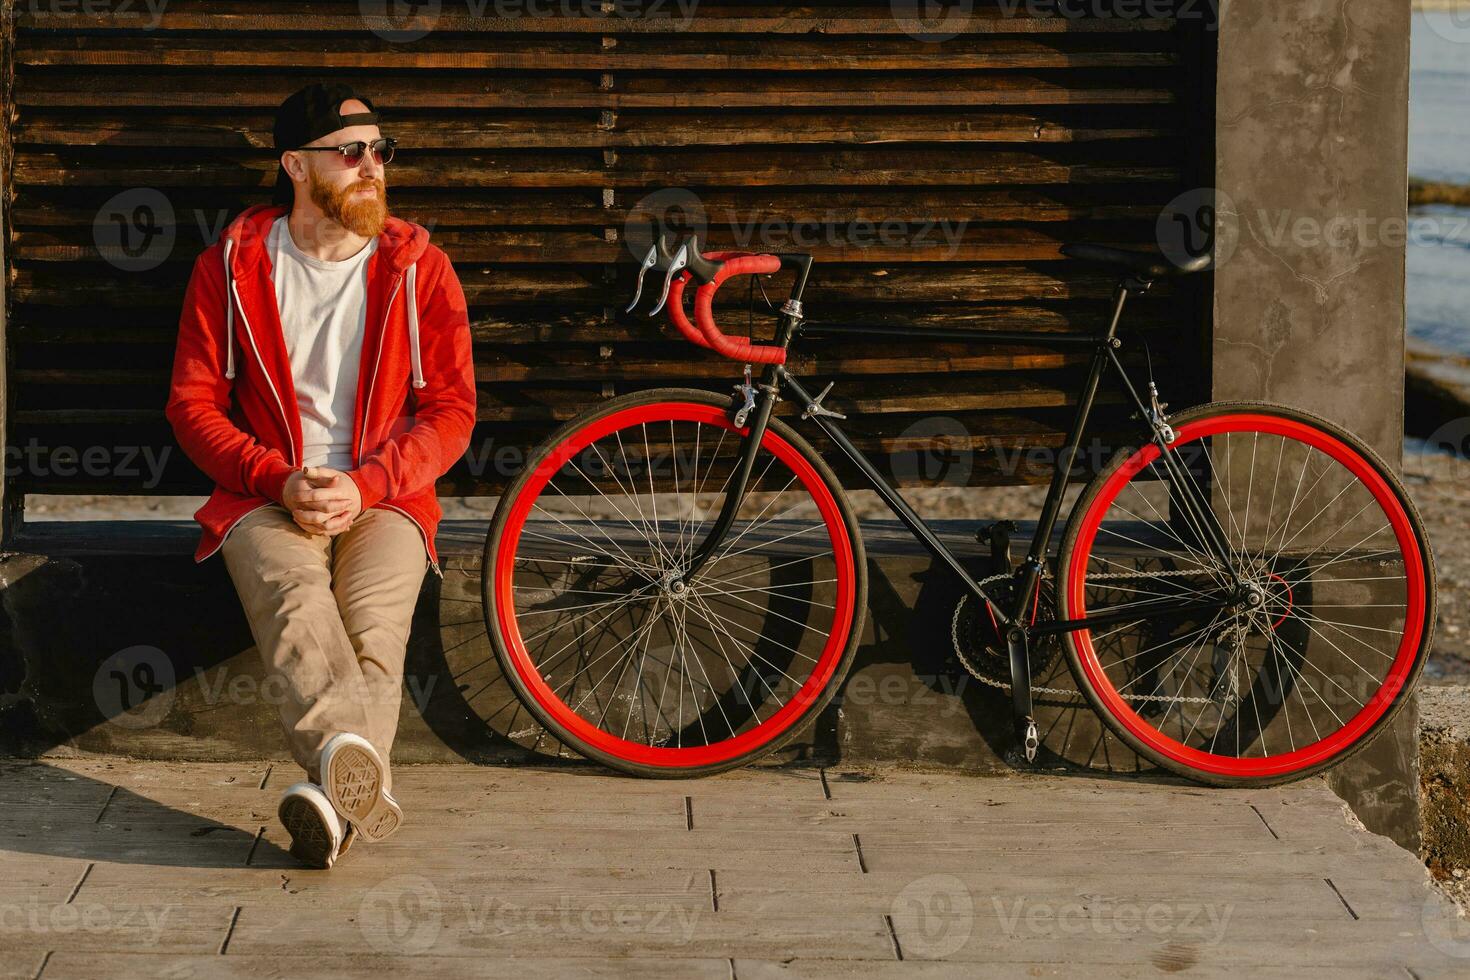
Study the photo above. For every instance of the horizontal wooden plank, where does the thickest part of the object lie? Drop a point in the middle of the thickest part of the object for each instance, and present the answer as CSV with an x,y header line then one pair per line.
x,y
887,242
441,54
983,371
62,87
471,173
877,433
579,286
40,325
527,403
200,215
826,19
529,363
168,131
538,403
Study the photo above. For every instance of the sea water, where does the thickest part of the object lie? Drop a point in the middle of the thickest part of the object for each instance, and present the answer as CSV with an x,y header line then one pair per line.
x,y
1439,150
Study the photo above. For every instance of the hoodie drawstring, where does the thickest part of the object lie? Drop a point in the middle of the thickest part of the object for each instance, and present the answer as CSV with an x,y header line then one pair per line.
x,y
413,327
229,315
413,321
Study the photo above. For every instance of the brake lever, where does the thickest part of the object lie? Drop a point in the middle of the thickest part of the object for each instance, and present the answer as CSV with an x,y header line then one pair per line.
x,y
649,261
676,265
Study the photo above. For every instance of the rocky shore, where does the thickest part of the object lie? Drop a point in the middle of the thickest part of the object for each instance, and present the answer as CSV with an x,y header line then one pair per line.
x,y
1424,192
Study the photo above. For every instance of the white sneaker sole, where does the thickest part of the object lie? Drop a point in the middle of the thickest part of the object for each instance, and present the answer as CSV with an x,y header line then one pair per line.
x,y
352,777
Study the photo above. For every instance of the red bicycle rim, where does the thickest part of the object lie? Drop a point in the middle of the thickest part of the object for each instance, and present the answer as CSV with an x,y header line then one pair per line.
x,y
1402,666
636,752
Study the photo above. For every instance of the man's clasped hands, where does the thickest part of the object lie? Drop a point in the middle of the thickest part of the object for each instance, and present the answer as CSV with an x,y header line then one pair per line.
x,y
322,500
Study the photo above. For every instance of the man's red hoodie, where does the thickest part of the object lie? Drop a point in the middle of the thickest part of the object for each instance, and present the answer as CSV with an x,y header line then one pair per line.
x,y
234,411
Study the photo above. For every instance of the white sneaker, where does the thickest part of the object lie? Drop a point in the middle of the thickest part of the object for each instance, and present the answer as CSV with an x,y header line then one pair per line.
x,y
317,832
353,775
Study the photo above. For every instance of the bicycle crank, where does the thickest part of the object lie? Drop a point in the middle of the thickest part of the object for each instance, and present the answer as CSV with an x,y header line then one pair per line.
x,y
980,644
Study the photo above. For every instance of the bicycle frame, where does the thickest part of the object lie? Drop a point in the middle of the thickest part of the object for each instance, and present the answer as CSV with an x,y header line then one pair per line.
x,y
1017,625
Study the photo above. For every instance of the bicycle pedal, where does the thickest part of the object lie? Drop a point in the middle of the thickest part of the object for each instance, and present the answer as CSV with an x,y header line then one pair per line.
x,y
986,532
1031,742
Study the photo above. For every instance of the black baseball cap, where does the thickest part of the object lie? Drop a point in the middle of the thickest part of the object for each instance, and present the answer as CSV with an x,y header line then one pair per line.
x,y
310,114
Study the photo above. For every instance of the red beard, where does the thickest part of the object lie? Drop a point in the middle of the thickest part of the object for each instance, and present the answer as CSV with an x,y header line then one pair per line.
x,y
359,214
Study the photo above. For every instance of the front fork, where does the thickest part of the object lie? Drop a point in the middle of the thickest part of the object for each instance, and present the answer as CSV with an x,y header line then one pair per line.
x,y
758,417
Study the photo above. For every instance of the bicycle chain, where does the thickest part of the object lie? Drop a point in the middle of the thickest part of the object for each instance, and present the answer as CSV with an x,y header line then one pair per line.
x,y
954,635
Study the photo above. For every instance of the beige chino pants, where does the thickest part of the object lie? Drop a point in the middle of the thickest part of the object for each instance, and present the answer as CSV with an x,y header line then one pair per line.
x,y
330,617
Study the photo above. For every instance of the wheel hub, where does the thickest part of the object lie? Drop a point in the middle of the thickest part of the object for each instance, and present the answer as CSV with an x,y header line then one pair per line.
x,y
1266,599
673,586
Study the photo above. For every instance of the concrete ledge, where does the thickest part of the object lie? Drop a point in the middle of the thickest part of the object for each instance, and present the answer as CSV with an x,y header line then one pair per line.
x,y
86,602
114,641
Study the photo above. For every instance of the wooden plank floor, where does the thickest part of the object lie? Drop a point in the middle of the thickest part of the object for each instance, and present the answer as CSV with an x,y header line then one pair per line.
x,y
117,868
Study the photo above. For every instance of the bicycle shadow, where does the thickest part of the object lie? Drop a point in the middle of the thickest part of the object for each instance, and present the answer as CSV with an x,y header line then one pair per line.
x,y
476,714
967,720
906,698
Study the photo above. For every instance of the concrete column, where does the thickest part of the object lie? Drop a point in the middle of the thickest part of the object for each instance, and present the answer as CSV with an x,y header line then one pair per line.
x,y
1312,150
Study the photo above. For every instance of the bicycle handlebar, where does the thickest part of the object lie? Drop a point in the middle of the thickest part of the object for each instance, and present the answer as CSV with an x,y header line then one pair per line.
x,y
711,270
736,348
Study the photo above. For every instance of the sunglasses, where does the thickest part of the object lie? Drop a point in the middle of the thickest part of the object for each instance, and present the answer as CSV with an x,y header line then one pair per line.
x,y
352,152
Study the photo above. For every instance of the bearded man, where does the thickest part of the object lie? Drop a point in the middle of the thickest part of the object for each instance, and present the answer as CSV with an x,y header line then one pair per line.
x,y
324,381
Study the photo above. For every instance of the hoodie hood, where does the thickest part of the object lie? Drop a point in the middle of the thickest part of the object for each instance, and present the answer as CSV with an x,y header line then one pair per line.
x,y
400,245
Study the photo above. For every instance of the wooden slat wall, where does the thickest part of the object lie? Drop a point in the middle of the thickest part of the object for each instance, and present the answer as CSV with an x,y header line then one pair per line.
x,y
526,145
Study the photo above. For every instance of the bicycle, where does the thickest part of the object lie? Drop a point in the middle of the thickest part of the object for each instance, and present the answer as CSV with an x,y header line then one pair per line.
x,y
687,538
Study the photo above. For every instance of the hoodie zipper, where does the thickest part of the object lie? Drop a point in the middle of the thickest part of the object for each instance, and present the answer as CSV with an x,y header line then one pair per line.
x,y
367,404
232,290
250,332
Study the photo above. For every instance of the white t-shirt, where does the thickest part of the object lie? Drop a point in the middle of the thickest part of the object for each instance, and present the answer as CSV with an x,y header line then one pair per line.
x,y
323,315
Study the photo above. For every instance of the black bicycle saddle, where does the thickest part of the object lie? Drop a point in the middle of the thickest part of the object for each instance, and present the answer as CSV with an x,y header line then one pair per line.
x,y
1145,265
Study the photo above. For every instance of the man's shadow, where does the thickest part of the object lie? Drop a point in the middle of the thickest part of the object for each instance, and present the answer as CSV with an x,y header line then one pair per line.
x,y
61,690
52,811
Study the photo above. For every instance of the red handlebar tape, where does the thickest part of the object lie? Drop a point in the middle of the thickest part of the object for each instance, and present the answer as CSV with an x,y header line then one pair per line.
x,y
676,312
707,333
